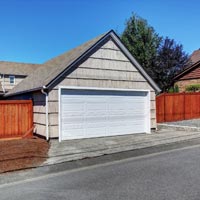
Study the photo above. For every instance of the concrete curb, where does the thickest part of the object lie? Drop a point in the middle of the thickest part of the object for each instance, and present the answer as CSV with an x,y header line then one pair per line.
x,y
177,127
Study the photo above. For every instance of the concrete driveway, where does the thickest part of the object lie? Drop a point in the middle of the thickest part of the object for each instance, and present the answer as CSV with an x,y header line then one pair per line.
x,y
87,148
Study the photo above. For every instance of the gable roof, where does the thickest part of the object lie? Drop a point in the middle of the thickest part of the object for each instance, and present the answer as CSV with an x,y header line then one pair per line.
x,y
53,69
15,68
191,72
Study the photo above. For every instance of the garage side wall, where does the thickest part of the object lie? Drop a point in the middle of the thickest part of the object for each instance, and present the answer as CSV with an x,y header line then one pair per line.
x,y
108,67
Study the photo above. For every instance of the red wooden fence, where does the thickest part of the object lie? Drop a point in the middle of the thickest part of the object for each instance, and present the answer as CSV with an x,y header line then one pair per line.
x,y
16,118
177,106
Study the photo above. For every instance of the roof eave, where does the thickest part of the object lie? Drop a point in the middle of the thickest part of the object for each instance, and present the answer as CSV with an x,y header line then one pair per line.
x,y
22,92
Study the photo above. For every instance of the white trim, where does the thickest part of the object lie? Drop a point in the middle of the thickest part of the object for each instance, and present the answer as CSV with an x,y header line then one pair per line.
x,y
148,118
105,89
59,113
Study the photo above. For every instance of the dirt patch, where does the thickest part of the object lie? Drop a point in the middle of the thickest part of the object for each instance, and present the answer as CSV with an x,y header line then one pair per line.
x,y
22,153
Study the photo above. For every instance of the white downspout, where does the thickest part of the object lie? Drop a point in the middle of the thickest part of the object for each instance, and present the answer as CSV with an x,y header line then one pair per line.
x,y
3,84
47,111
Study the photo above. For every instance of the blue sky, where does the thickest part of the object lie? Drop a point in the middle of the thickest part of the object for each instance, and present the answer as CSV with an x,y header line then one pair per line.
x,y
36,30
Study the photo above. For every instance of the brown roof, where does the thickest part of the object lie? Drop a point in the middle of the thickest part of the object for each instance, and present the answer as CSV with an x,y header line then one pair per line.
x,y
16,68
193,72
195,56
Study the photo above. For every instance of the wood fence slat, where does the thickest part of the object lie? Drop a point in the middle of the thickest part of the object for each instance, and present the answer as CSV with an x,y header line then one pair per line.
x,y
177,106
16,118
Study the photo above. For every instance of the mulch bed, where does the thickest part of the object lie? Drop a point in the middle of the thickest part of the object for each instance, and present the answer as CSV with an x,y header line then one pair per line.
x,y
22,153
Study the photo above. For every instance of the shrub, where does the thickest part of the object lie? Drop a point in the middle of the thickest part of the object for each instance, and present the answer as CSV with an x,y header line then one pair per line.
x,y
193,88
171,90
174,89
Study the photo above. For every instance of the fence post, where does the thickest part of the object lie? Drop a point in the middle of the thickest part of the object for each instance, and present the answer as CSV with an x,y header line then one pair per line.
x,y
164,107
184,105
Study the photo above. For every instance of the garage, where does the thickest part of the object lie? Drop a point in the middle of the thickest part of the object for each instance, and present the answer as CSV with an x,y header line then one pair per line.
x,y
97,89
100,112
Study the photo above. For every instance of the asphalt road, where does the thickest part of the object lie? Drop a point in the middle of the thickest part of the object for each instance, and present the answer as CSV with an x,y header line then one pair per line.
x,y
169,175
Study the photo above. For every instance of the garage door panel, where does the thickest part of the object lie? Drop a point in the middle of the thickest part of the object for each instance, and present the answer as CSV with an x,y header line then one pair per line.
x,y
71,127
72,113
96,106
96,125
73,107
89,113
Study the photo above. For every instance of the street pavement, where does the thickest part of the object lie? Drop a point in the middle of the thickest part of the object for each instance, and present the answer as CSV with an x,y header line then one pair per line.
x,y
172,174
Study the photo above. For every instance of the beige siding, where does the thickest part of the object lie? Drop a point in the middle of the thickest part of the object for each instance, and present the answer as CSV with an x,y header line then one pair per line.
x,y
93,63
39,117
109,54
6,81
106,68
110,45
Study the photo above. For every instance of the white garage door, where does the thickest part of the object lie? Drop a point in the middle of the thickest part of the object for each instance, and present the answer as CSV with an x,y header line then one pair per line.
x,y
96,113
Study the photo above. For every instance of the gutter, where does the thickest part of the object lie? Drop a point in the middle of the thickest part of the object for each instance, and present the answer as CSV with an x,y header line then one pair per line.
x,y
46,111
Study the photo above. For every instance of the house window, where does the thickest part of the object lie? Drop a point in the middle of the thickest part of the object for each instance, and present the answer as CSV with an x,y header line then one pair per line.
x,y
12,80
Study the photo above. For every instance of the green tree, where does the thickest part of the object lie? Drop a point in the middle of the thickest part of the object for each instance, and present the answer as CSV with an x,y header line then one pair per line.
x,y
162,58
142,41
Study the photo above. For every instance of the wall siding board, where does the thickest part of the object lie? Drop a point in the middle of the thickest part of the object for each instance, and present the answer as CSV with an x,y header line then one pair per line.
x,y
40,129
94,63
110,45
105,83
53,119
101,74
109,54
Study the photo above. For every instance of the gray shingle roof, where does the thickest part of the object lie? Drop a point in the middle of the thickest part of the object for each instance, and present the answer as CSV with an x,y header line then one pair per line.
x,y
15,68
51,69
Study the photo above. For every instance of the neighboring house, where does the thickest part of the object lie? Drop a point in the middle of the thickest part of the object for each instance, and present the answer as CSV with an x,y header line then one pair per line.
x,y
189,76
12,73
97,89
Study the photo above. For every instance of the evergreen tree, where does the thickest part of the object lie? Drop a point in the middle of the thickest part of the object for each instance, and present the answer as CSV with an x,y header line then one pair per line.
x,y
142,41
161,58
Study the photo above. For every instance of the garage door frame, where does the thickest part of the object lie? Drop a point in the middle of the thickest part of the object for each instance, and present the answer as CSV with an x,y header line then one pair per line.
x,y
148,111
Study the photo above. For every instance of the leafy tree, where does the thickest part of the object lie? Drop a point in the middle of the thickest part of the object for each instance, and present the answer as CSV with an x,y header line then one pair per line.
x,y
170,60
142,41
162,57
